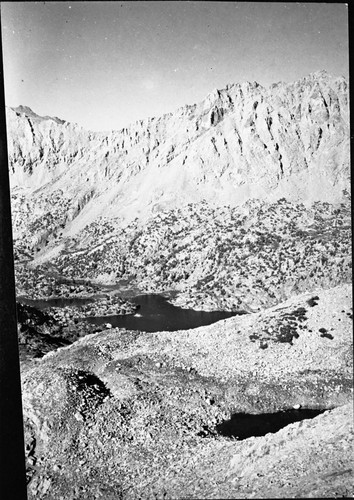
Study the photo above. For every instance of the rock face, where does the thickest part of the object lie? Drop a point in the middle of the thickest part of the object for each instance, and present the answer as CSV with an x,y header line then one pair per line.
x,y
242,142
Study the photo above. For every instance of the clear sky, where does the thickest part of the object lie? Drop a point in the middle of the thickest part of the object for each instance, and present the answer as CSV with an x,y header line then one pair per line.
x,y
106,64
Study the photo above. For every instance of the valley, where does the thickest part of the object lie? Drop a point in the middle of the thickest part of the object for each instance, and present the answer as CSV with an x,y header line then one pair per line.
x,y
188,271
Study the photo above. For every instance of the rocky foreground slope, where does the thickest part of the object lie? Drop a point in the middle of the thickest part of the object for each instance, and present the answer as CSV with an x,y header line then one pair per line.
x,y
124,414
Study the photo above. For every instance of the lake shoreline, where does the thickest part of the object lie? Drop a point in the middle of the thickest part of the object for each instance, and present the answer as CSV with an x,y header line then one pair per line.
x,y
156,312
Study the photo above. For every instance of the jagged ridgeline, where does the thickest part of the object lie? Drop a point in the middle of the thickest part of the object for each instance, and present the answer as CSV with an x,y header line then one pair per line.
x,y
100,203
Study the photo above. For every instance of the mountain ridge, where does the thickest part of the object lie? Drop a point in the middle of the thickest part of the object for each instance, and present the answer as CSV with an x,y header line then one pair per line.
x,y
242,142
324,74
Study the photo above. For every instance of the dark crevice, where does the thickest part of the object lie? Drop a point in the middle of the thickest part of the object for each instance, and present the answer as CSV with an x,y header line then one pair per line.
x,y
319,137
32,130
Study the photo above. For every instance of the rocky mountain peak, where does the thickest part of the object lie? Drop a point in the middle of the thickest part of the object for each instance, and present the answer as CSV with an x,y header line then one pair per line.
x,y
27,112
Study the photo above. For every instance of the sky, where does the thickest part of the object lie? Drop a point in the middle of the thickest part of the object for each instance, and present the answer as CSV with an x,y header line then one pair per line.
x,y
105,65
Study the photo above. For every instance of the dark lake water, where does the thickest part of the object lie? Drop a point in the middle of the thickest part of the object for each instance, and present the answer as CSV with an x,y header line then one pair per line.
x,y
243,425
156,314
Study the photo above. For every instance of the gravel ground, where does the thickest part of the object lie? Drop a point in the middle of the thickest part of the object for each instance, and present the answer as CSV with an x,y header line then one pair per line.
x,y
122,414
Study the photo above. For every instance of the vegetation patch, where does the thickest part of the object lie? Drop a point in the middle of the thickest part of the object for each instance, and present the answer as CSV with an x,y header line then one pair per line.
x,y
313,301
287,333
325,334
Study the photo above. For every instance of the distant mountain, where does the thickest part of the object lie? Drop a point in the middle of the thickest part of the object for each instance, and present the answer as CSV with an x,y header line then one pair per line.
x,y
239,143
28,113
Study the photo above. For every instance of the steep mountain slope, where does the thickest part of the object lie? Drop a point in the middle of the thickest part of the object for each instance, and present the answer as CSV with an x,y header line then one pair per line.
x,y
220,258
242,142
